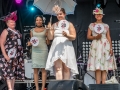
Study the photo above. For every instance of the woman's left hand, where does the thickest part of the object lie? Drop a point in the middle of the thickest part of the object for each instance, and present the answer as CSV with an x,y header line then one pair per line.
x,y
64,33
111,52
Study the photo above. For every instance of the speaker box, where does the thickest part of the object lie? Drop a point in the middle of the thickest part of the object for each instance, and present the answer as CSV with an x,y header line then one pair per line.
x,y
66,85
3,85
104,87
20,86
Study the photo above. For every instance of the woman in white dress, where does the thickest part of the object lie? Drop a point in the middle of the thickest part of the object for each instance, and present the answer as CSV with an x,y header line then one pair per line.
x,y
61,58
101,57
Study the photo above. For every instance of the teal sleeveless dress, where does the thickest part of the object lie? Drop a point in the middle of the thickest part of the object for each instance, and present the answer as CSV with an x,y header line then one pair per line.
x,y
40,52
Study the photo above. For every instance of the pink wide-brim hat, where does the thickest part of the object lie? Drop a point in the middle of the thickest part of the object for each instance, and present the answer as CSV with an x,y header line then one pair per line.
x,y
10,16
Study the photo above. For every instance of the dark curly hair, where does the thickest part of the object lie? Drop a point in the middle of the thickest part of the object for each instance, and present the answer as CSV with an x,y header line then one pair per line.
x,y
40,17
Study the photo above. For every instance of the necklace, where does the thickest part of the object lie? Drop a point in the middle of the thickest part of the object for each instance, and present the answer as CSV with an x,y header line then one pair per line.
x,y
39,26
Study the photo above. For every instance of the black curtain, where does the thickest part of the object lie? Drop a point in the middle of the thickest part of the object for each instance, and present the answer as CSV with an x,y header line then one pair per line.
x,y
1,14
6,6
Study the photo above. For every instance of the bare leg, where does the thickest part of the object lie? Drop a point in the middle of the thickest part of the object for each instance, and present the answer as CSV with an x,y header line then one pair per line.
x,y
44,76
98,76
13,83
104,76
9,84
36,78
58,69
66,72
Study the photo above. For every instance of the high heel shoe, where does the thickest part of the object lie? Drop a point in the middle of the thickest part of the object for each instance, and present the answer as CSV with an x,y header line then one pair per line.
x,y
44,89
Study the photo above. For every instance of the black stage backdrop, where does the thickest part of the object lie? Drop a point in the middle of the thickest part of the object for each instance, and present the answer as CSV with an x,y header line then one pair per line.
x,y
81,19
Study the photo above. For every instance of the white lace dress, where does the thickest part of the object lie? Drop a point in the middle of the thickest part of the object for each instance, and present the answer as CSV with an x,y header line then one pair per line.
x,y
63,49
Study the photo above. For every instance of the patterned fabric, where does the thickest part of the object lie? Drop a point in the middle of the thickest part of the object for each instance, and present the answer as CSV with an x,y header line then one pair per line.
x,y
15,67
99,52
1,67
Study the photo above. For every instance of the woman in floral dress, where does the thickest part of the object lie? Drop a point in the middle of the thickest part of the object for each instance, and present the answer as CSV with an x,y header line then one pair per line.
x,y
1,65
12,51
101,57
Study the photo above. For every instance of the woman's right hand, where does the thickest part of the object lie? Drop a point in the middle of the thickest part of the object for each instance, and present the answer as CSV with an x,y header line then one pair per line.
x,y
29,43
98,36
7,58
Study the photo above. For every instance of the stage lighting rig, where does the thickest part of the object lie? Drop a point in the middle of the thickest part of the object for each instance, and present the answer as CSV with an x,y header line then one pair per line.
x,y
18,1
29,3
118,2
100,3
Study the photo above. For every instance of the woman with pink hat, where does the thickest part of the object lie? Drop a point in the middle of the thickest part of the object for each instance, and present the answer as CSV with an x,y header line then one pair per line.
x,y
101,57
12,51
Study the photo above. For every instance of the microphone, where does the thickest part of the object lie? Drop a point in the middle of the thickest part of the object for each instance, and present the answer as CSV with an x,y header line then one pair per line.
x,y
117,21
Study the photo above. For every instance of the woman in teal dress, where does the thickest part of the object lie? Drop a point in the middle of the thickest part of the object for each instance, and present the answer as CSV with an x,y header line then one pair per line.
x,y
40,51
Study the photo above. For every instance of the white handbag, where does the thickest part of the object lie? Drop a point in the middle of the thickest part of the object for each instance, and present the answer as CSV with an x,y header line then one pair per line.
x,y
113,79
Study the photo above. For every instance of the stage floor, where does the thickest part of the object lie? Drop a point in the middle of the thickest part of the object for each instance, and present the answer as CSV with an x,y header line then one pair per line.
x,y
32,81
29,84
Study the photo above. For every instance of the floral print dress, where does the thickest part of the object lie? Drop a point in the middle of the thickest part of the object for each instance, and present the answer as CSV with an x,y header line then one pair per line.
x,y
99,52
15,67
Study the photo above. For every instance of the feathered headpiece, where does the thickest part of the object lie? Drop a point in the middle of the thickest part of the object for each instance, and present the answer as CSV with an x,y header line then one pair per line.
x,y
98,11
44,19
56,9
10,16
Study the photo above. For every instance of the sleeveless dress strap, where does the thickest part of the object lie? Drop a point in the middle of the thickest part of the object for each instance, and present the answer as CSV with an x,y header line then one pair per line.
x,y
32,31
